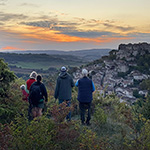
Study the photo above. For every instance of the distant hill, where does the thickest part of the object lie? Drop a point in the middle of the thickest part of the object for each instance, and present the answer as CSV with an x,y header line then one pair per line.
x,y
86,55
48,61
40,61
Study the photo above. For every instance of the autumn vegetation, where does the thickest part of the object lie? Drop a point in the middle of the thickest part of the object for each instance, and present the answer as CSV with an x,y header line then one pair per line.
x,y
114,125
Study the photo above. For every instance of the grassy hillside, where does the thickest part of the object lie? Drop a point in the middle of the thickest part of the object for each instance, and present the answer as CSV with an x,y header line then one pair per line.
x,y
40,61
87,55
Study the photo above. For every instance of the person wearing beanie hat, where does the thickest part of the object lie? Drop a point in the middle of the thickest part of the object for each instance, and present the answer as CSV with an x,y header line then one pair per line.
x,y
63,69
63,89
85,89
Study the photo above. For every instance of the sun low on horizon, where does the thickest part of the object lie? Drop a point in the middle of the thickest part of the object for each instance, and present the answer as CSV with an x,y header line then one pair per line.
x,y
72,25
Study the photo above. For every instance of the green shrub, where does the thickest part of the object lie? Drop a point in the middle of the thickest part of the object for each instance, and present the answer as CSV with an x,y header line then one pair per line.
x,y
99,116
67,136
10,94
90,141
13,104
36,135
144,137
5,136
6,77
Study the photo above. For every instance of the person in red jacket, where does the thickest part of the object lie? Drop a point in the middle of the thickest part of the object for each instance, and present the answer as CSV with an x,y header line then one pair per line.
x,y
24,93
29,82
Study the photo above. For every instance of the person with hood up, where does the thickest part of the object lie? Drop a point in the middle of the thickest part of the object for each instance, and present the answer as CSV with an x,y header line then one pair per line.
x,y
63,90
85,89
24,93
29,82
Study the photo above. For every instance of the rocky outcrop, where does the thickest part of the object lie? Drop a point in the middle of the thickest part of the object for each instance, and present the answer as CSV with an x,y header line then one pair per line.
x,y
132,50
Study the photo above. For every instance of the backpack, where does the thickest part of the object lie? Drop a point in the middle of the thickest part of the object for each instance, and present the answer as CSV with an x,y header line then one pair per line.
x,y
36,95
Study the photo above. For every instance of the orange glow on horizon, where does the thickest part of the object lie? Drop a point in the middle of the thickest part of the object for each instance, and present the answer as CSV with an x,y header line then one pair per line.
x,y
11,48
56,36
42,35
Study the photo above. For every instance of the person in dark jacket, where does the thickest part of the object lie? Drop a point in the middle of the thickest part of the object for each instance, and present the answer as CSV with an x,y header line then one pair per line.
x,y
85,89
37,100
63,90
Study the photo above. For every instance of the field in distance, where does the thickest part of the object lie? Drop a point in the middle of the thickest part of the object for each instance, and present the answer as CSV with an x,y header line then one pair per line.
x,y
40,61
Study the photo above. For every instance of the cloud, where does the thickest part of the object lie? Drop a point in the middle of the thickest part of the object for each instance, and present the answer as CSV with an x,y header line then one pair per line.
x,y
44,24
122,28
47,29
108,24
29,5
3,2
43,17
11,48
90,33
69,28
57,36
55,23
10,16
139,34
28,36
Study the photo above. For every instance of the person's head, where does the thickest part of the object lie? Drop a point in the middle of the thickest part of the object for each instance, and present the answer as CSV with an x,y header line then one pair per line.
x,y
63,69
39,78
22,87
33,75
90,74
84,72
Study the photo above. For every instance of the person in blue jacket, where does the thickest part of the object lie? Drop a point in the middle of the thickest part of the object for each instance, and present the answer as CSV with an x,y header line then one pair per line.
x,y
63,90
85,89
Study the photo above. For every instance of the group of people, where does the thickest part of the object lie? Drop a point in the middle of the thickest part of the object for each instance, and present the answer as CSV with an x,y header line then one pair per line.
x,y
36,93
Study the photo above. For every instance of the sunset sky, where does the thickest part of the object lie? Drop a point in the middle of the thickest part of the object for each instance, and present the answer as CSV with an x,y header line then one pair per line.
x,y
72,24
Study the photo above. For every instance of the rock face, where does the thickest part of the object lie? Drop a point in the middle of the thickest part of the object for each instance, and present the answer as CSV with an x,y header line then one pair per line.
x,y
132,50
106,72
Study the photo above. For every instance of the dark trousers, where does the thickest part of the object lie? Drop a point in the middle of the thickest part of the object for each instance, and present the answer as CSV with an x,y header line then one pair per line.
x,y
83,107
30,112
